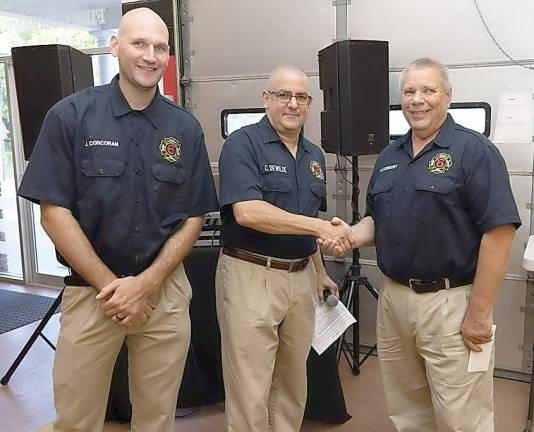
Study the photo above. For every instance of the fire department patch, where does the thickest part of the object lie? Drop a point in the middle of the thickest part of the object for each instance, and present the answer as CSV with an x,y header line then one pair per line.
x,y
317,171
440,163
170,148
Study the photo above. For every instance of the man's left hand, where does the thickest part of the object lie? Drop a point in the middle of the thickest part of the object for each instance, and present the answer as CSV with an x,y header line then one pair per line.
x,y
126,301
325,283
476,329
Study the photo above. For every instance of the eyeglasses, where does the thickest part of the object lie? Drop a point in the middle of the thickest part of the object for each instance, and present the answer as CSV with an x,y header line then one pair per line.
x,y
284,97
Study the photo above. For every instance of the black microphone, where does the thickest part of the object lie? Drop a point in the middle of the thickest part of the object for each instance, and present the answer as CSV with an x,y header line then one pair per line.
x,y
329,298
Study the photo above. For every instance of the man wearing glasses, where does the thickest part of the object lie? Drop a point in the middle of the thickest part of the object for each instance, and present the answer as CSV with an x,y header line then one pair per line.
x,y
272,185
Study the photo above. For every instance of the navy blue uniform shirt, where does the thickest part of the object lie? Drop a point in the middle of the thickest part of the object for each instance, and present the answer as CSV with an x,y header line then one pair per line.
x,y
256,165
130,178
431,211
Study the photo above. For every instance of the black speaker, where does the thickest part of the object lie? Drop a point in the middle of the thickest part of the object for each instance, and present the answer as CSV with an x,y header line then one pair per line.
x,y
353,75
45,74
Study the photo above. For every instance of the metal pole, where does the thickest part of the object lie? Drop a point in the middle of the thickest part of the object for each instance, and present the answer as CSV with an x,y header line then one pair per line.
x,y
341,194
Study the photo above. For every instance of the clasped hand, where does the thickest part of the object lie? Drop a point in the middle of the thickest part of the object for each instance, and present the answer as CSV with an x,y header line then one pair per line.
x,y
126,302
336,237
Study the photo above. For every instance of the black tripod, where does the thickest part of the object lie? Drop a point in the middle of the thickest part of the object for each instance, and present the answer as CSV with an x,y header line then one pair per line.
x,y
350,290
38,332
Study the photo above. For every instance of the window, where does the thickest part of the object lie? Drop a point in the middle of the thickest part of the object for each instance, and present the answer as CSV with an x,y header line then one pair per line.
x,y
68,22
473,115
233,119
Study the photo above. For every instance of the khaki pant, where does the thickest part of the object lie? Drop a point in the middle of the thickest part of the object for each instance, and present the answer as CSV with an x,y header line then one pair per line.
x,y
423,361
87,348
267,319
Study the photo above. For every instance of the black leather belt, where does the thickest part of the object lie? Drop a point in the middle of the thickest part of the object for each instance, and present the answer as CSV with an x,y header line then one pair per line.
x,y
290,266
426,286
75,280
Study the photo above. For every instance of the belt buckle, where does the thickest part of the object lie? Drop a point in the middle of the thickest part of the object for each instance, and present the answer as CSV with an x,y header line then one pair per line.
x,y
290,266
410,281
445,280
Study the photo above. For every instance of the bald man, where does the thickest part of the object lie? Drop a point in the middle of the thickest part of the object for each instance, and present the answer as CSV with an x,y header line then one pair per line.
x,y
272,186
123,180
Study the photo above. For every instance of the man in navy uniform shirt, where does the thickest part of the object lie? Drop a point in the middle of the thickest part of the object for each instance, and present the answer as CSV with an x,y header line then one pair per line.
x,y
123,180
441,213
272,185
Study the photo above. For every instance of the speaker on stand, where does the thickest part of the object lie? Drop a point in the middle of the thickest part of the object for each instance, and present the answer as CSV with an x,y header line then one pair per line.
x,y
354,77
44,74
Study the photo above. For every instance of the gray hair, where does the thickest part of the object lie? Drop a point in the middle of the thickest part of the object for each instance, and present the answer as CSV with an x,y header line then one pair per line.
x,y
423,63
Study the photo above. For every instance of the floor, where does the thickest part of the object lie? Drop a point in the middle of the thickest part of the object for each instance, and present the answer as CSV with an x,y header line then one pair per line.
x,y
26,403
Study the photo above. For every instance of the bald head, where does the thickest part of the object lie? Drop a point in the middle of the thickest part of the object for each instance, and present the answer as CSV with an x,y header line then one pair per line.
x,y
283,70
287,100
144,18
142,47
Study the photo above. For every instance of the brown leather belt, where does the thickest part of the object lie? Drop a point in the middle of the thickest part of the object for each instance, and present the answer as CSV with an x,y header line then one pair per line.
x,y
290,266
426,286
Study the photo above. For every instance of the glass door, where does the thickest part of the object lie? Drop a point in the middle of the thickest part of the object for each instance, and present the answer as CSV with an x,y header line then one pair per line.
x,y
36,262
37,253
10,245
26,253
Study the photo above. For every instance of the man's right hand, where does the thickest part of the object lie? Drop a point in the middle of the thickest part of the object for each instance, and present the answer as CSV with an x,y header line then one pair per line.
x,y
335,237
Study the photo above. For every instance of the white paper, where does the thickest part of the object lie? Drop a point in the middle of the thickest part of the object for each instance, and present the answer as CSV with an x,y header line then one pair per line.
x,y
514,119
330,323
479,361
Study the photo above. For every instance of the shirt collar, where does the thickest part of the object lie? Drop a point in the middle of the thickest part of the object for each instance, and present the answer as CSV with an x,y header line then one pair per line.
x,y
121,107
269,135
445,134
443,138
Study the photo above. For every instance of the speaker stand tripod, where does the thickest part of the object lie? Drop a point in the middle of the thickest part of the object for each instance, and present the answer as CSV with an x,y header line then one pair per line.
x,y
350,290
38,332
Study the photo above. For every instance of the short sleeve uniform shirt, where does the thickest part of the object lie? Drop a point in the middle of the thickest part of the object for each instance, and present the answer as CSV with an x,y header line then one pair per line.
x,y
130,178
256,165
431,211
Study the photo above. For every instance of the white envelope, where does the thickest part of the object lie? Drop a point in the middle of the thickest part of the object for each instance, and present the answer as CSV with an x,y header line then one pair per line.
x,y
479,361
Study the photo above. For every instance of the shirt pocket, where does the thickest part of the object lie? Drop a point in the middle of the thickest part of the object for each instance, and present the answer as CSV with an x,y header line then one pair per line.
x,y
315,200
277,191
382,196
102,184
435,198
169,189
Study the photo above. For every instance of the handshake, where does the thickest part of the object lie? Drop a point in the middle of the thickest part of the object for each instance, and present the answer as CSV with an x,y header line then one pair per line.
x,y
335,237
